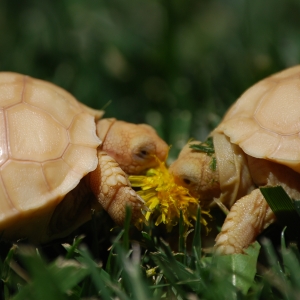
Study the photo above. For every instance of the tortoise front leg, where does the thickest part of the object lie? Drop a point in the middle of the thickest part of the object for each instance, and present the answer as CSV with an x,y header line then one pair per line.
x,y
110,185
245,221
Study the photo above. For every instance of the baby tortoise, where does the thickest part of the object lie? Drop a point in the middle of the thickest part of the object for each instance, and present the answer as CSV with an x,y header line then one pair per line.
x,y
257,144
56,152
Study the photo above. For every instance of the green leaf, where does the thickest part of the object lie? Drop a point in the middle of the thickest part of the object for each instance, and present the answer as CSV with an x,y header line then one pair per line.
x,y
71,250
240,268
290,263
147,241
132,275
44,283
177,274
213,164
280,277
282,206
99,277
206,147
5,268
68,273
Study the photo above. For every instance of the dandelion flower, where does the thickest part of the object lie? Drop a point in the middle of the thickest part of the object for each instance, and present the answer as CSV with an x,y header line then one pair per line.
x,y
165,199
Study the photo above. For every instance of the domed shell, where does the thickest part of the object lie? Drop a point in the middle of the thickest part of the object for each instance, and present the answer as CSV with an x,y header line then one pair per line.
x,y
47,144
265,120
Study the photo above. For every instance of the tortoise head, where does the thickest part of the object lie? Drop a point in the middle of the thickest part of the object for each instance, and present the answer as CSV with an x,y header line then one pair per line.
x,y
194,170
134,146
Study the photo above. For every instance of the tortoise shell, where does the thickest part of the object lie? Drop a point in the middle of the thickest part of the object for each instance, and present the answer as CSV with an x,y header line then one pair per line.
x,y
48,143
265,120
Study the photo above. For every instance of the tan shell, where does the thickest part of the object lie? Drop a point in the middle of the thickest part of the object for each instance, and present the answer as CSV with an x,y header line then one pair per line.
x,y
47,144
265,120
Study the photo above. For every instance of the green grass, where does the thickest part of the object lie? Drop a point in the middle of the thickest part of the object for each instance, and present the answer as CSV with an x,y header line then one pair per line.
x,y
177,65
142,265
157,61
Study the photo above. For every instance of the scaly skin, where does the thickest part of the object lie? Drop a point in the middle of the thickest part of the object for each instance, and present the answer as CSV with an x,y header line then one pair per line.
x,y
133,146
246,220
249,214
110,185
126,149
123,144
192,170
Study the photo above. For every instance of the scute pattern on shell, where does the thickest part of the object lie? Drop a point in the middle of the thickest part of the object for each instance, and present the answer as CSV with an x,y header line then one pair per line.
x,y
265,120
48,143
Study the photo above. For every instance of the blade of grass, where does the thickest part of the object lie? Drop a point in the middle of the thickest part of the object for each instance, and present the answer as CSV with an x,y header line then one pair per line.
x,y
148,242
68,273
282,283
72,249
290,263
110,265
182,244
6,265
44,284
126,242
98,275
131,275
282,206
173,270
196,244
272,258
6,271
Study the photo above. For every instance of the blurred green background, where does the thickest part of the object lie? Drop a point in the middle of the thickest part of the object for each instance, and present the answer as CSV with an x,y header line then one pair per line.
x,y
177,65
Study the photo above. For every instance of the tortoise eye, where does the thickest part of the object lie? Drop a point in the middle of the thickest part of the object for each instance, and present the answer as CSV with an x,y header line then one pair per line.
x,y
186,181
143,153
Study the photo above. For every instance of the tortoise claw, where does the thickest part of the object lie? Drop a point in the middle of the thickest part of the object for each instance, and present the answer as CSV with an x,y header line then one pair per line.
x,y
112,188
